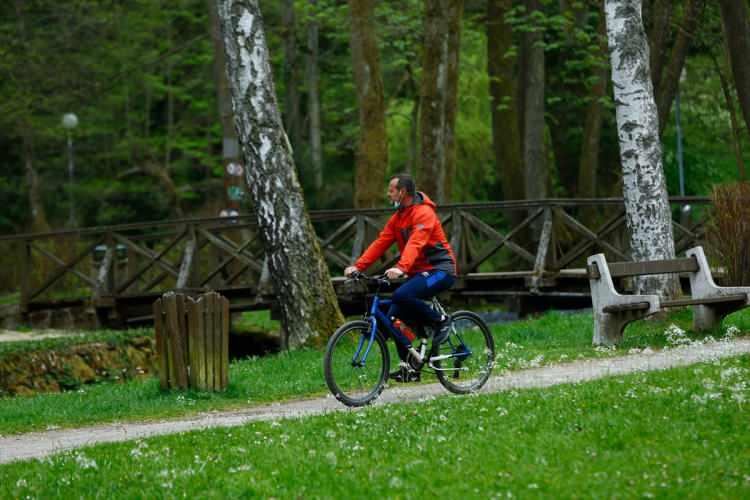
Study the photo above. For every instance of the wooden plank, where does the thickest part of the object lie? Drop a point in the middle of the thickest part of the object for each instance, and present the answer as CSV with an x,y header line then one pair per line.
x,y
183,361
187,264
737,297
635,306
340,231
154,259
622,269
218,343
200,345
225,343
224,263
230,248
359,239
63,269
194,345
593,238
544,241
161,344
500,240
209,340
178,372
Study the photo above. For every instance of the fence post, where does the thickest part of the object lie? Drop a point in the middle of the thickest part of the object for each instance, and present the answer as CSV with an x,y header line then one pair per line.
x,y
192,341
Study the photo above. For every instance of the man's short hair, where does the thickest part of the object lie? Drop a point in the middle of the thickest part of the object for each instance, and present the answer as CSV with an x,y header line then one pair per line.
x,y
405,181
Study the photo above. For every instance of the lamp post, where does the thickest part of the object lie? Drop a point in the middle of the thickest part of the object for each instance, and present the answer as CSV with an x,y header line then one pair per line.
x,y
69,122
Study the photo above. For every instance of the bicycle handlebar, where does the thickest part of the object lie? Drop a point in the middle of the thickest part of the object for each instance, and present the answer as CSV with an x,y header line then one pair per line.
x,y
381,279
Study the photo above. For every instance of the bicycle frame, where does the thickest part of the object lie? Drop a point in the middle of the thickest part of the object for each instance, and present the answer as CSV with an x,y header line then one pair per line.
x,y
376,315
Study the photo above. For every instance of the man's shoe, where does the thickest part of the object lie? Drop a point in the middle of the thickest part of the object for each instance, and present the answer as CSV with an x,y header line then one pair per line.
x,y
405,374
442,331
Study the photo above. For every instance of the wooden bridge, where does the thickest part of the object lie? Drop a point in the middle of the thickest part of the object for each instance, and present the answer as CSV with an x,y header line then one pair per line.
x,y
529,254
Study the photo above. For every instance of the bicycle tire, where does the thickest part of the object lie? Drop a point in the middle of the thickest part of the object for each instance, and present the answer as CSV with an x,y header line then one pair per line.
x,y
466,374
363,384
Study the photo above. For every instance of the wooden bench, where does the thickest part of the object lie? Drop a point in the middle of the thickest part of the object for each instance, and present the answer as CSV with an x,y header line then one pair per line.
x,y
613,311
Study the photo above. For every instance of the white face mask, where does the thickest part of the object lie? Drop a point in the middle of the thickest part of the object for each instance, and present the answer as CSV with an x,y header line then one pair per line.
x,y
397,203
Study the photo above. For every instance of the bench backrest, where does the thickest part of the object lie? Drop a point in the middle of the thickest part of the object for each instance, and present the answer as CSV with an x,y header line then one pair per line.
x,y
621,269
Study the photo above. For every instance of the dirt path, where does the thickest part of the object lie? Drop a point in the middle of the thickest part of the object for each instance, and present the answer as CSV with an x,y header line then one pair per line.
x,y
16,336
40,444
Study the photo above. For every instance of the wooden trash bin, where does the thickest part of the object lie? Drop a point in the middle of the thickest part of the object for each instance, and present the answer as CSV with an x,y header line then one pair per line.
x,y
192,341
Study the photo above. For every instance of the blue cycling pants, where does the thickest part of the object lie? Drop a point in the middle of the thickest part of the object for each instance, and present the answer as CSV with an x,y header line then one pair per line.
x,y
408,301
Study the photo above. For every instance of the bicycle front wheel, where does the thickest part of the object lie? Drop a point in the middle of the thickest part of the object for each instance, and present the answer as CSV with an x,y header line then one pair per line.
x,y
468,355
356,366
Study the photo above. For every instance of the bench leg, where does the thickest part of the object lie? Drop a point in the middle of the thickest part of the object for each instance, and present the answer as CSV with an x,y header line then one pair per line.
x,y
707,317
609,327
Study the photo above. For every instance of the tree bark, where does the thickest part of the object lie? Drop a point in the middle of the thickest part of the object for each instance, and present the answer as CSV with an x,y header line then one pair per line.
x,y
536,175
736,140
734,18
661,16
439,93
291,101
647,209
671,78
372,151
506,138
313,103
592,130
309,309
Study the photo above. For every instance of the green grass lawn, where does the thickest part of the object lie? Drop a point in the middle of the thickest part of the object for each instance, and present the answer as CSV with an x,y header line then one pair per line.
x,y
675,433
74,338
551,338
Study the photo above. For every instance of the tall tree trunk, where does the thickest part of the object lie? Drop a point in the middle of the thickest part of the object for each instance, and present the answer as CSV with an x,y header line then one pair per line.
x,y
536,176
38,215
647,209
588,166
413,152
661,15
506,139
309,309
291,101
372,151
737,33
671,78
230,149
736,140
439,93
313,103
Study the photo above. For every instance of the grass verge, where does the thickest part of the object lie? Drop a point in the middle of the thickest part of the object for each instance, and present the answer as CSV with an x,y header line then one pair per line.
x,y
553,337
675,433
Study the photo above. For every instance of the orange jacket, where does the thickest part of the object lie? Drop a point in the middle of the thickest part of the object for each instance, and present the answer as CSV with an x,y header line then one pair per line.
x,y
419,235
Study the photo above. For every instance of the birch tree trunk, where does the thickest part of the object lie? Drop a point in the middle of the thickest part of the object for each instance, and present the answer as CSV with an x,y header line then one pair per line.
x,y
309,309
647,209
439,93
372,151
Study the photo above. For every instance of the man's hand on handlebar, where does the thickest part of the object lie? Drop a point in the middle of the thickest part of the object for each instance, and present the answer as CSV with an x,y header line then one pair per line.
x,y
351,271
394,273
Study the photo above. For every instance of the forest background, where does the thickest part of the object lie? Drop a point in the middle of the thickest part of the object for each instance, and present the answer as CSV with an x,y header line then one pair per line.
x,y
142,78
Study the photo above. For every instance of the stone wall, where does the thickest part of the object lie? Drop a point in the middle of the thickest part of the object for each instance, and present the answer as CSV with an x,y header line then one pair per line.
x,y
71,367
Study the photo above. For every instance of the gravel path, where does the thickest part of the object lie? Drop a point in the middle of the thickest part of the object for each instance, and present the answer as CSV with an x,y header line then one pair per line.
x,y
40,444
16,336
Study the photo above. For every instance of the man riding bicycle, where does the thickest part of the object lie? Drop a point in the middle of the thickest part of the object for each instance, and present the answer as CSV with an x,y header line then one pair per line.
x,y
426,259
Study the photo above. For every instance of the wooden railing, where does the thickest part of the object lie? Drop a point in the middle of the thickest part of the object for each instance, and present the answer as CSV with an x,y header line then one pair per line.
x,y
538,240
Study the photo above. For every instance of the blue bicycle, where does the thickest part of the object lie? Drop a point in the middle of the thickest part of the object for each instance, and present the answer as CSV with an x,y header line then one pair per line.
x,y
357,359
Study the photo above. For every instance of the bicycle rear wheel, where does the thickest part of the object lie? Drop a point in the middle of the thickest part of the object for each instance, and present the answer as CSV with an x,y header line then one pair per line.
x,y
469,354
355,368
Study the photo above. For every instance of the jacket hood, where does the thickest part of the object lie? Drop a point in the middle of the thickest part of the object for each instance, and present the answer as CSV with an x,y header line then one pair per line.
x,y
421,198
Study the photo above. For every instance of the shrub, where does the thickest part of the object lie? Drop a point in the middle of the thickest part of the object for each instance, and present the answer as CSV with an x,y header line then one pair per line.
x,y
728,231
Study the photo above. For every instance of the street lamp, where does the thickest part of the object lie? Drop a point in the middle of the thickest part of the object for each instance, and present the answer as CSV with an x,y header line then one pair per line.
x,y
69,122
